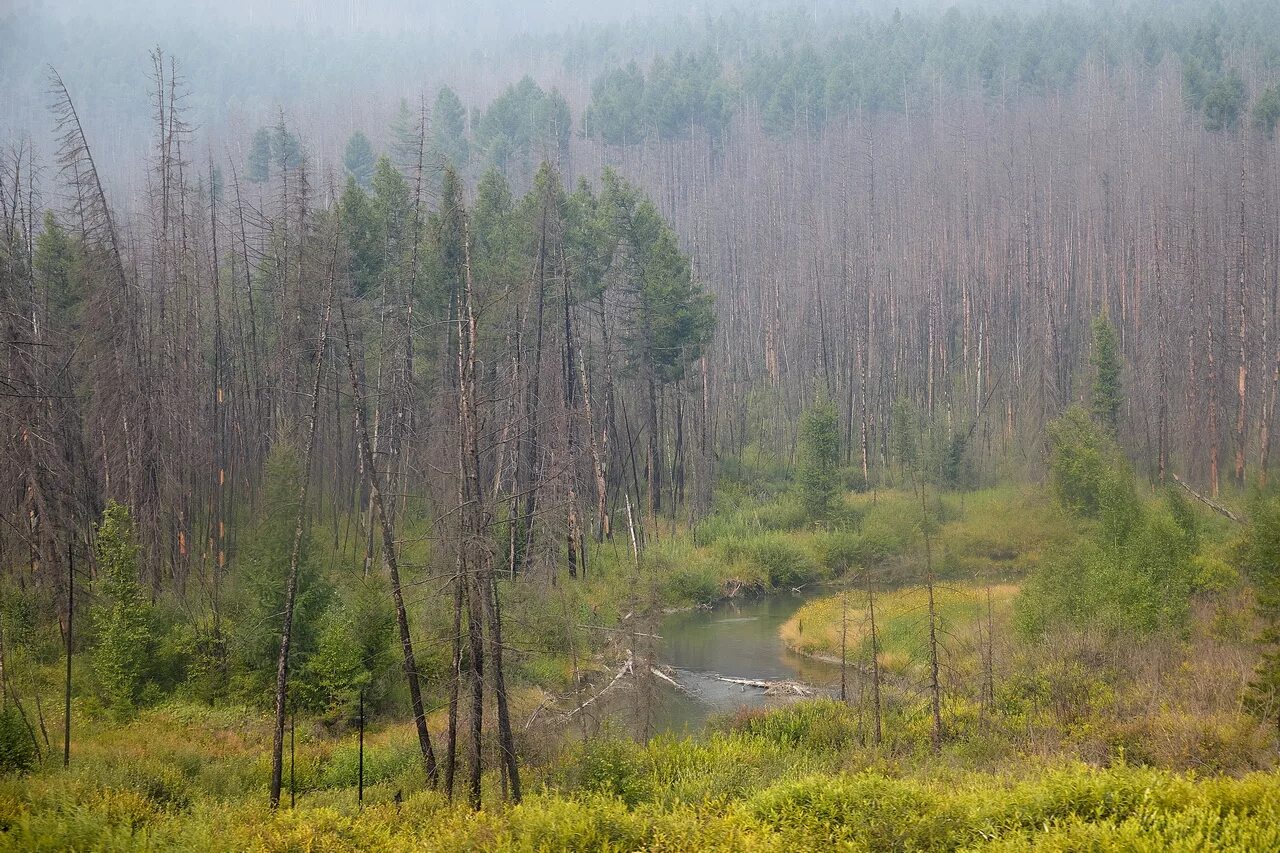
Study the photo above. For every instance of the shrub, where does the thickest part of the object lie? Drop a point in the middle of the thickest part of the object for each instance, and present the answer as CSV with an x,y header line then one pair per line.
x,y
817,724
610,766
818,459
866,812
783,562
17,750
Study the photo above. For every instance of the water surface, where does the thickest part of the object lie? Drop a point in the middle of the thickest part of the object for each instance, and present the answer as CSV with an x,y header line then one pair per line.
x,y
739,639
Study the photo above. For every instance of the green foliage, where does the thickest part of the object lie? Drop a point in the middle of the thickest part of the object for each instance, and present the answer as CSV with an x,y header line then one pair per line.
x,y
682,92
1223,102
17,749
404,139
616,112
821,724
866,811
904,435
610,766
261,566
352,646
1090,477
364,236
1107,395
1266,110
259,170
1259,553
1138,571
784,563
286,150
449,128
358,159
122,616
818,459
523,124
58,264
673,318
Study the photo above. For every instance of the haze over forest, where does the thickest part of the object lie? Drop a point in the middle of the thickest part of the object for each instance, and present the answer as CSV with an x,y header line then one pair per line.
x,y
621,425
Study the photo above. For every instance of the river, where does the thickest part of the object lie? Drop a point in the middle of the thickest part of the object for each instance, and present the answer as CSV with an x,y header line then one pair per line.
x,y
736,638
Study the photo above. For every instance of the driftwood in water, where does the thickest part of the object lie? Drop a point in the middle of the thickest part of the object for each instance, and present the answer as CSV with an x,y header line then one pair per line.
x,y
772,688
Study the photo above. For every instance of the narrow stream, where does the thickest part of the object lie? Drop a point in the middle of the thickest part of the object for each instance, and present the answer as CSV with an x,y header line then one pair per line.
x,y
739,639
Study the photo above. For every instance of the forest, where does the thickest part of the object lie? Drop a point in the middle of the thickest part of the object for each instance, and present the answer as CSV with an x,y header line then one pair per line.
x,y
663,428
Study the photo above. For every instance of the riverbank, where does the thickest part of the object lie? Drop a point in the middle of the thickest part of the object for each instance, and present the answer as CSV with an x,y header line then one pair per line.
x,y
966,614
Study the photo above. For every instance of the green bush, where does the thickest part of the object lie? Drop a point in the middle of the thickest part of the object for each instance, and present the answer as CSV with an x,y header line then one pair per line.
x,y
610,766
864,812
783,562
820,724
17,750
691,584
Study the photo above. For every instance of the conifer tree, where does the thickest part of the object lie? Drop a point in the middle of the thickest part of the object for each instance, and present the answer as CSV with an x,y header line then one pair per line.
x,y
260,157
450,128
1261,558
122,617
1107,393
818,458
358,159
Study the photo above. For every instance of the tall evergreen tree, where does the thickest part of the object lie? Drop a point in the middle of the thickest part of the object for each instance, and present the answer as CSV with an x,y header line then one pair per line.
x,y
449,128
260,156
404,139
358,160
1107,395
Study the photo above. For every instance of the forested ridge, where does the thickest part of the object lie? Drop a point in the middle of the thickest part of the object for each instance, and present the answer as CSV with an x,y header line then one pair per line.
x,y
350,386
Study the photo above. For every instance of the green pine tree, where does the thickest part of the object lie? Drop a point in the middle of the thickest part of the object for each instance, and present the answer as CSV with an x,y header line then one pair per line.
x,y
358,160
1260,556
449,128
123,615
1107,394
1266,110
818,459
260,157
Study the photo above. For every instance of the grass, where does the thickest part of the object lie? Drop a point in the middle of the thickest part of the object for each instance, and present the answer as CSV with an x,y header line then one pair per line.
x,y
901,623
796,778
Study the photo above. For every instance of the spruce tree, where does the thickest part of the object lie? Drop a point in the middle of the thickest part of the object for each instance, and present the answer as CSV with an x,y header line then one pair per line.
x,y
260,157
1107,392
358,160
818,459
449,120
1261,559
122,617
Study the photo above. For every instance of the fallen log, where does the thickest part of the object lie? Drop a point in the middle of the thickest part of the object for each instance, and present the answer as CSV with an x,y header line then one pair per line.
x,y
1209,502
772,688
627,666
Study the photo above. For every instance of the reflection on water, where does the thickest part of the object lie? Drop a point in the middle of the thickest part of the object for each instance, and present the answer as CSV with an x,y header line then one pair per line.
x,y
738,639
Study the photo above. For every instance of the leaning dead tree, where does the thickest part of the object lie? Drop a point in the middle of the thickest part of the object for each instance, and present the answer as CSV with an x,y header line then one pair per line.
x,y
389,559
